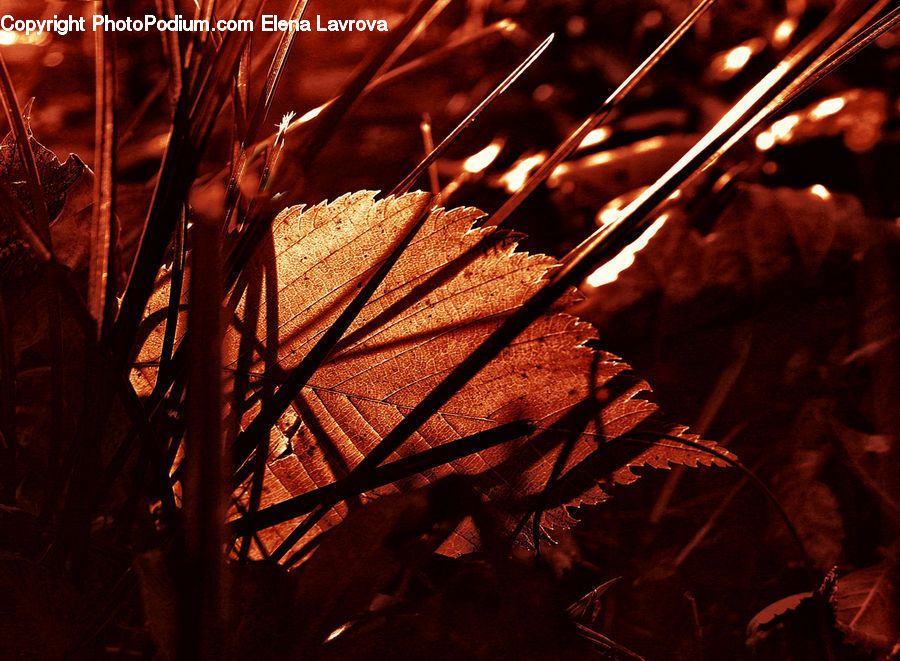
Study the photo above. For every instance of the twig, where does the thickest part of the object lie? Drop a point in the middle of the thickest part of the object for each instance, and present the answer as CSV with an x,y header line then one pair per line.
x,y
428,143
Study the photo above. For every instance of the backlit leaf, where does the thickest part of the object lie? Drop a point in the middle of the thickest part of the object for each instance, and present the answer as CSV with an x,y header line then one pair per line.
x,y
451,288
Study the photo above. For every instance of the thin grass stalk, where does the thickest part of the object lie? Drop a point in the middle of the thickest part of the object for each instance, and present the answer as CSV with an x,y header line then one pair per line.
x,y
176,283
719,393
171,49
504,27
261,111
558,465
262,267
271,164
434,181
169,197
856,45
570,144
101,279
241,100
141,112
606,643
765,98
435,153
192,125
209,95
148,424
831,53
201,51
601,247
400,469
712,519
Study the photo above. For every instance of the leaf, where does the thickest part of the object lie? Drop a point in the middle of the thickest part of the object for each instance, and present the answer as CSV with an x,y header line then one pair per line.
x,y
867,609
450,288
792,627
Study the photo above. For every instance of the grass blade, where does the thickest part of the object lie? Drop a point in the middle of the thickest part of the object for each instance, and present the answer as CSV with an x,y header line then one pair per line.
x,y
101,281
274,407
410,179
387,474
505,28
571,143
200,618
194,118
261,111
